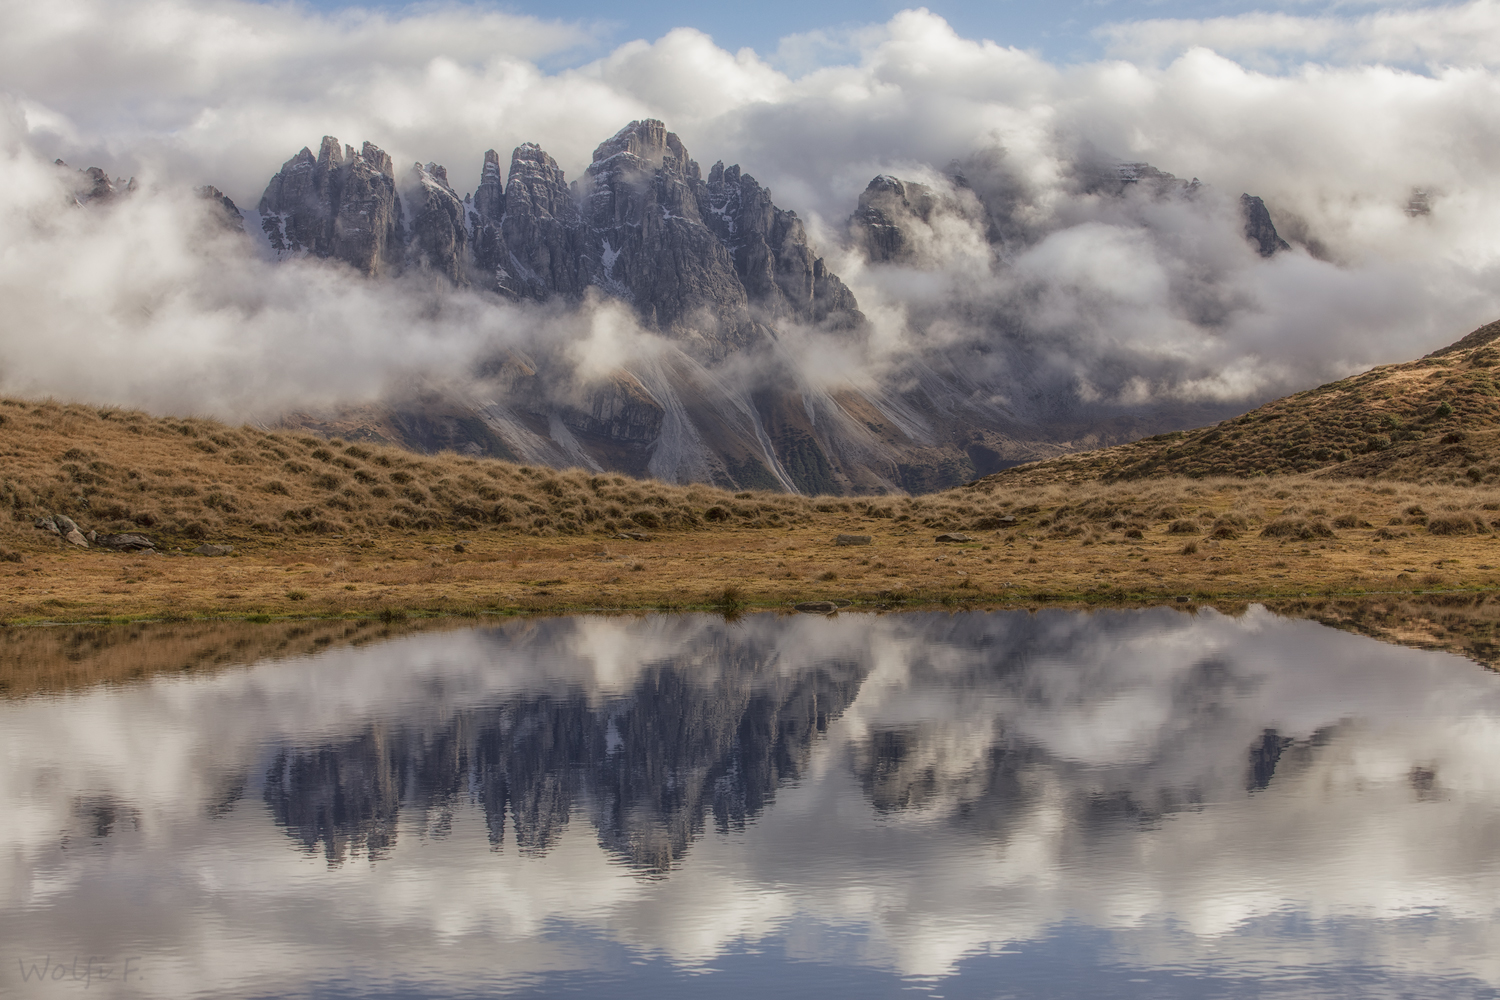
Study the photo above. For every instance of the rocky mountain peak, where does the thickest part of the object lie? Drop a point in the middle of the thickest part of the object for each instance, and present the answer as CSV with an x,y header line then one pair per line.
x,y
93,183
489,197
1259,229
330,153
709,261
640,177
377,159
892,212
340,204
224,211
537,186
647,143
886,208
437,174
438,233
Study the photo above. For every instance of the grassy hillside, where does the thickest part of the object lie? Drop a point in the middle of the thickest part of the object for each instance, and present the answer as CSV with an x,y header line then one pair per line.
x,y
1434,420
182,482
188,480
324,527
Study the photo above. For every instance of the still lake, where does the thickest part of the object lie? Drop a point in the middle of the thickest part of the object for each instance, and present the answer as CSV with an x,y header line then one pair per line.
x,y
1003,804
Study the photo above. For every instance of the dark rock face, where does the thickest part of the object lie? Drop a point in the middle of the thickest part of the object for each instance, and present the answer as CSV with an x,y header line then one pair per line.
x,y
885,205
339,204
540,229
438,235
640,202
489,197
1259,229
771,254
622,410
486,208
709,262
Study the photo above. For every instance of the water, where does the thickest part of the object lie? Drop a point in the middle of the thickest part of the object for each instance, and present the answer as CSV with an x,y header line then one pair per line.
x,y
1117,804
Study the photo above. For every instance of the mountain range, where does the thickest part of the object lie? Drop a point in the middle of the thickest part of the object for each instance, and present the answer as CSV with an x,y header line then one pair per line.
x,y
729,291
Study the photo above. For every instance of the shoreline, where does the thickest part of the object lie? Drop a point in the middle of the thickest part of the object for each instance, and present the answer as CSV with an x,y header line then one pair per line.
x,y
948,602
441,574
56,656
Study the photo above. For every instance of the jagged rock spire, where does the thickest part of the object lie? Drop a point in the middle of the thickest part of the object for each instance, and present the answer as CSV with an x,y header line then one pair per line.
x,y
339,204
712,260
1259,229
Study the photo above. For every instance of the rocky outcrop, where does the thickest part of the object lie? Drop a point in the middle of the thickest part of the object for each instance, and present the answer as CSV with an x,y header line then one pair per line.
x,y
93,184
649,241
438,237
541,229
621,410
711,262
1259,229
339,204
886,206
486,208
66,529
771,253
126,543
223,210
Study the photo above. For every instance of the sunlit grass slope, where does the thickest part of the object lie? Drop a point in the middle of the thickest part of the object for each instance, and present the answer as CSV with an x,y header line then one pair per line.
x,y
1433,420
324,527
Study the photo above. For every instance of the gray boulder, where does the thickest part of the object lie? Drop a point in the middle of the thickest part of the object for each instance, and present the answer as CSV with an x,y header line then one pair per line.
x,y
212,550
75,537
125,543
852,540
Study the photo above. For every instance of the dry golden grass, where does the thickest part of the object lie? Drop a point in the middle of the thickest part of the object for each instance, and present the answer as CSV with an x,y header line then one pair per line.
x,y
535,539
186,480
1433,420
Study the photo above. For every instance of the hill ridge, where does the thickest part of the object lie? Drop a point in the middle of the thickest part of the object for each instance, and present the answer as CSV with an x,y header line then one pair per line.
x,y
1435,419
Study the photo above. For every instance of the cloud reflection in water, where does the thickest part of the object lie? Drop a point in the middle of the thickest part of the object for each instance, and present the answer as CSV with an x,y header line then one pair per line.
x,y
1193,796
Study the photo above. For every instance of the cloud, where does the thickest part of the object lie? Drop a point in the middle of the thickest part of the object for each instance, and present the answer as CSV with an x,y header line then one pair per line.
x,y
1038,772
148,300
1082,296
1437,37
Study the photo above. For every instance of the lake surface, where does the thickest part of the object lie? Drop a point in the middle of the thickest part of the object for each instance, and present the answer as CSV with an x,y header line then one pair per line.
x,y
1116,804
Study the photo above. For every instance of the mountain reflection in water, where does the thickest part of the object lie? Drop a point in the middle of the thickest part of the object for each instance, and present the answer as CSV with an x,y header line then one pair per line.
x,y
1120,803
654,762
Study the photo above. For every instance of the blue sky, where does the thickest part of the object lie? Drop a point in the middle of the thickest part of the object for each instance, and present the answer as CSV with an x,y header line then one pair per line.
x,y
1061,31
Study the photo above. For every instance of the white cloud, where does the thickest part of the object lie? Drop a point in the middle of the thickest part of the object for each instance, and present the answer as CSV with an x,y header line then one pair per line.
x,y
1166,295
1466,34
1018,731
